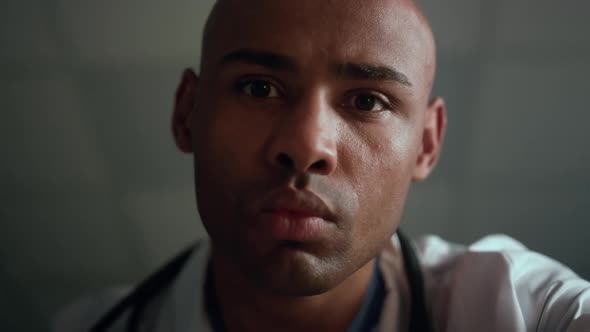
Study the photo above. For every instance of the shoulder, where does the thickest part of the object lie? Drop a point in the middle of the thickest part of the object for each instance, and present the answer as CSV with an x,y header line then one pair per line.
x,y
498,282
158,296
81,314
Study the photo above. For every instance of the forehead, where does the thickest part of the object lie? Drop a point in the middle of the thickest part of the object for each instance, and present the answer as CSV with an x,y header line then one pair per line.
x,y
381,32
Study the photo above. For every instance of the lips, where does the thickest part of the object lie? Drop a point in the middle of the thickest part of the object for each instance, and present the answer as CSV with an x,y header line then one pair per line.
x,y
295,216
297,203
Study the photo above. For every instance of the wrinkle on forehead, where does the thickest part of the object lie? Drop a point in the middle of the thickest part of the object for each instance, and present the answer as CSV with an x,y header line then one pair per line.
x,y
225,11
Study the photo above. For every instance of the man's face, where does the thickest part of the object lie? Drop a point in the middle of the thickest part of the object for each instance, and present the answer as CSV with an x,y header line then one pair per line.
x,y
307,129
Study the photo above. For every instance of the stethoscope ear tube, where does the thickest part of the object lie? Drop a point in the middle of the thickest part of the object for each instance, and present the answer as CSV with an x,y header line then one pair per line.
x,y
419,316
138,299
142,294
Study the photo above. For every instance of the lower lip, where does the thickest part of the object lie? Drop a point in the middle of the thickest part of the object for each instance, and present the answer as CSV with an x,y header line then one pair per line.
x,y
294,227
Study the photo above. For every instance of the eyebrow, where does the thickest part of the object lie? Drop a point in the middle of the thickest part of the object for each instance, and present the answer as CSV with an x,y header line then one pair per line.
x,y
277,61
261,58
359,71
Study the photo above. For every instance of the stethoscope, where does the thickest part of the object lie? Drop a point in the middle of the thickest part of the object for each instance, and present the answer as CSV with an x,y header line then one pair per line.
x,y
136,302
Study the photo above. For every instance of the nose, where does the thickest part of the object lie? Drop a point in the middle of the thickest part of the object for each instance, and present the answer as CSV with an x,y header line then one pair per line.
x,y
304,140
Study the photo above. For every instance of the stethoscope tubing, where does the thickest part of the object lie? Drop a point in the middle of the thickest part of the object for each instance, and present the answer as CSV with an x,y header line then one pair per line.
x,y
137,301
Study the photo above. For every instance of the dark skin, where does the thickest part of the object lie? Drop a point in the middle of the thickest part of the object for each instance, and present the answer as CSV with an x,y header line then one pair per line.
x,y
323,99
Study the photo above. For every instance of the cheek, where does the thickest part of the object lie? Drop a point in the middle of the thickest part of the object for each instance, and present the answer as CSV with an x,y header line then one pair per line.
x,y
222,154
228,138
225,165
383,168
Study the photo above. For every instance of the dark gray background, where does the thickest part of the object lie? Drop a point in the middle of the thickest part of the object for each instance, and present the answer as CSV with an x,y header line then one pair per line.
x,y
94,193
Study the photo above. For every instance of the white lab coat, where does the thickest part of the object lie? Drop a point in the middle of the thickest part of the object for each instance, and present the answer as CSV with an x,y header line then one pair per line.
x,y
495,284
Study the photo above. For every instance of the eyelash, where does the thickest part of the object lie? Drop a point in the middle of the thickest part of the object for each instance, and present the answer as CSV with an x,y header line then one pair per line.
x,y
243,82
386,103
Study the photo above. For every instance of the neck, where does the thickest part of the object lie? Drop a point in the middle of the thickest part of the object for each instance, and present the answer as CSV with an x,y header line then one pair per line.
x,y
245,308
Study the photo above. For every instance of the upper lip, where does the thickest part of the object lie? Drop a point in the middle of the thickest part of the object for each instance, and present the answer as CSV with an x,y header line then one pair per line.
x,y
298,202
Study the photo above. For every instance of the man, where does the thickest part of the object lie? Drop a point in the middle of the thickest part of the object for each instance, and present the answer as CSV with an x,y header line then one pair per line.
x,y
308,122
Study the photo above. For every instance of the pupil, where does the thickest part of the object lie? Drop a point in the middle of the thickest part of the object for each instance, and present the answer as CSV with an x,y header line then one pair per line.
x,y
365,103
260,89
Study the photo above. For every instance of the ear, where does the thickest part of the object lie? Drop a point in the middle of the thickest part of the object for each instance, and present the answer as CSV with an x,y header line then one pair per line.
x,y
435,123
184,106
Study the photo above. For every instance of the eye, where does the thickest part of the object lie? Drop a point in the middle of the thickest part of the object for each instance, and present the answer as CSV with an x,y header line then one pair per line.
x,y
368,102
259,88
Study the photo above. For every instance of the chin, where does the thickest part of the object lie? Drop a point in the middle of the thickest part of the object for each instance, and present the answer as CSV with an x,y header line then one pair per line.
x,y
293,272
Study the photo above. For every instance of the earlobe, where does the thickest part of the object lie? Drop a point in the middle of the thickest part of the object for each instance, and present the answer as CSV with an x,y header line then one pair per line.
x,y
435,123
184,106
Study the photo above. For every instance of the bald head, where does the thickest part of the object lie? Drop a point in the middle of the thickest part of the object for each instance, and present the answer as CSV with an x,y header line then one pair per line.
x,y
329,98
402,21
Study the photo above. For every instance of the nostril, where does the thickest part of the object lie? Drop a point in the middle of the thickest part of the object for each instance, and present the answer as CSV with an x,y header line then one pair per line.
x,y
319,165
285,161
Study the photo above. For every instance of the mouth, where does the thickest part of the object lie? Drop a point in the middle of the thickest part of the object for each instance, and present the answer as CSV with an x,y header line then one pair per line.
x,y
292,214
295,216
